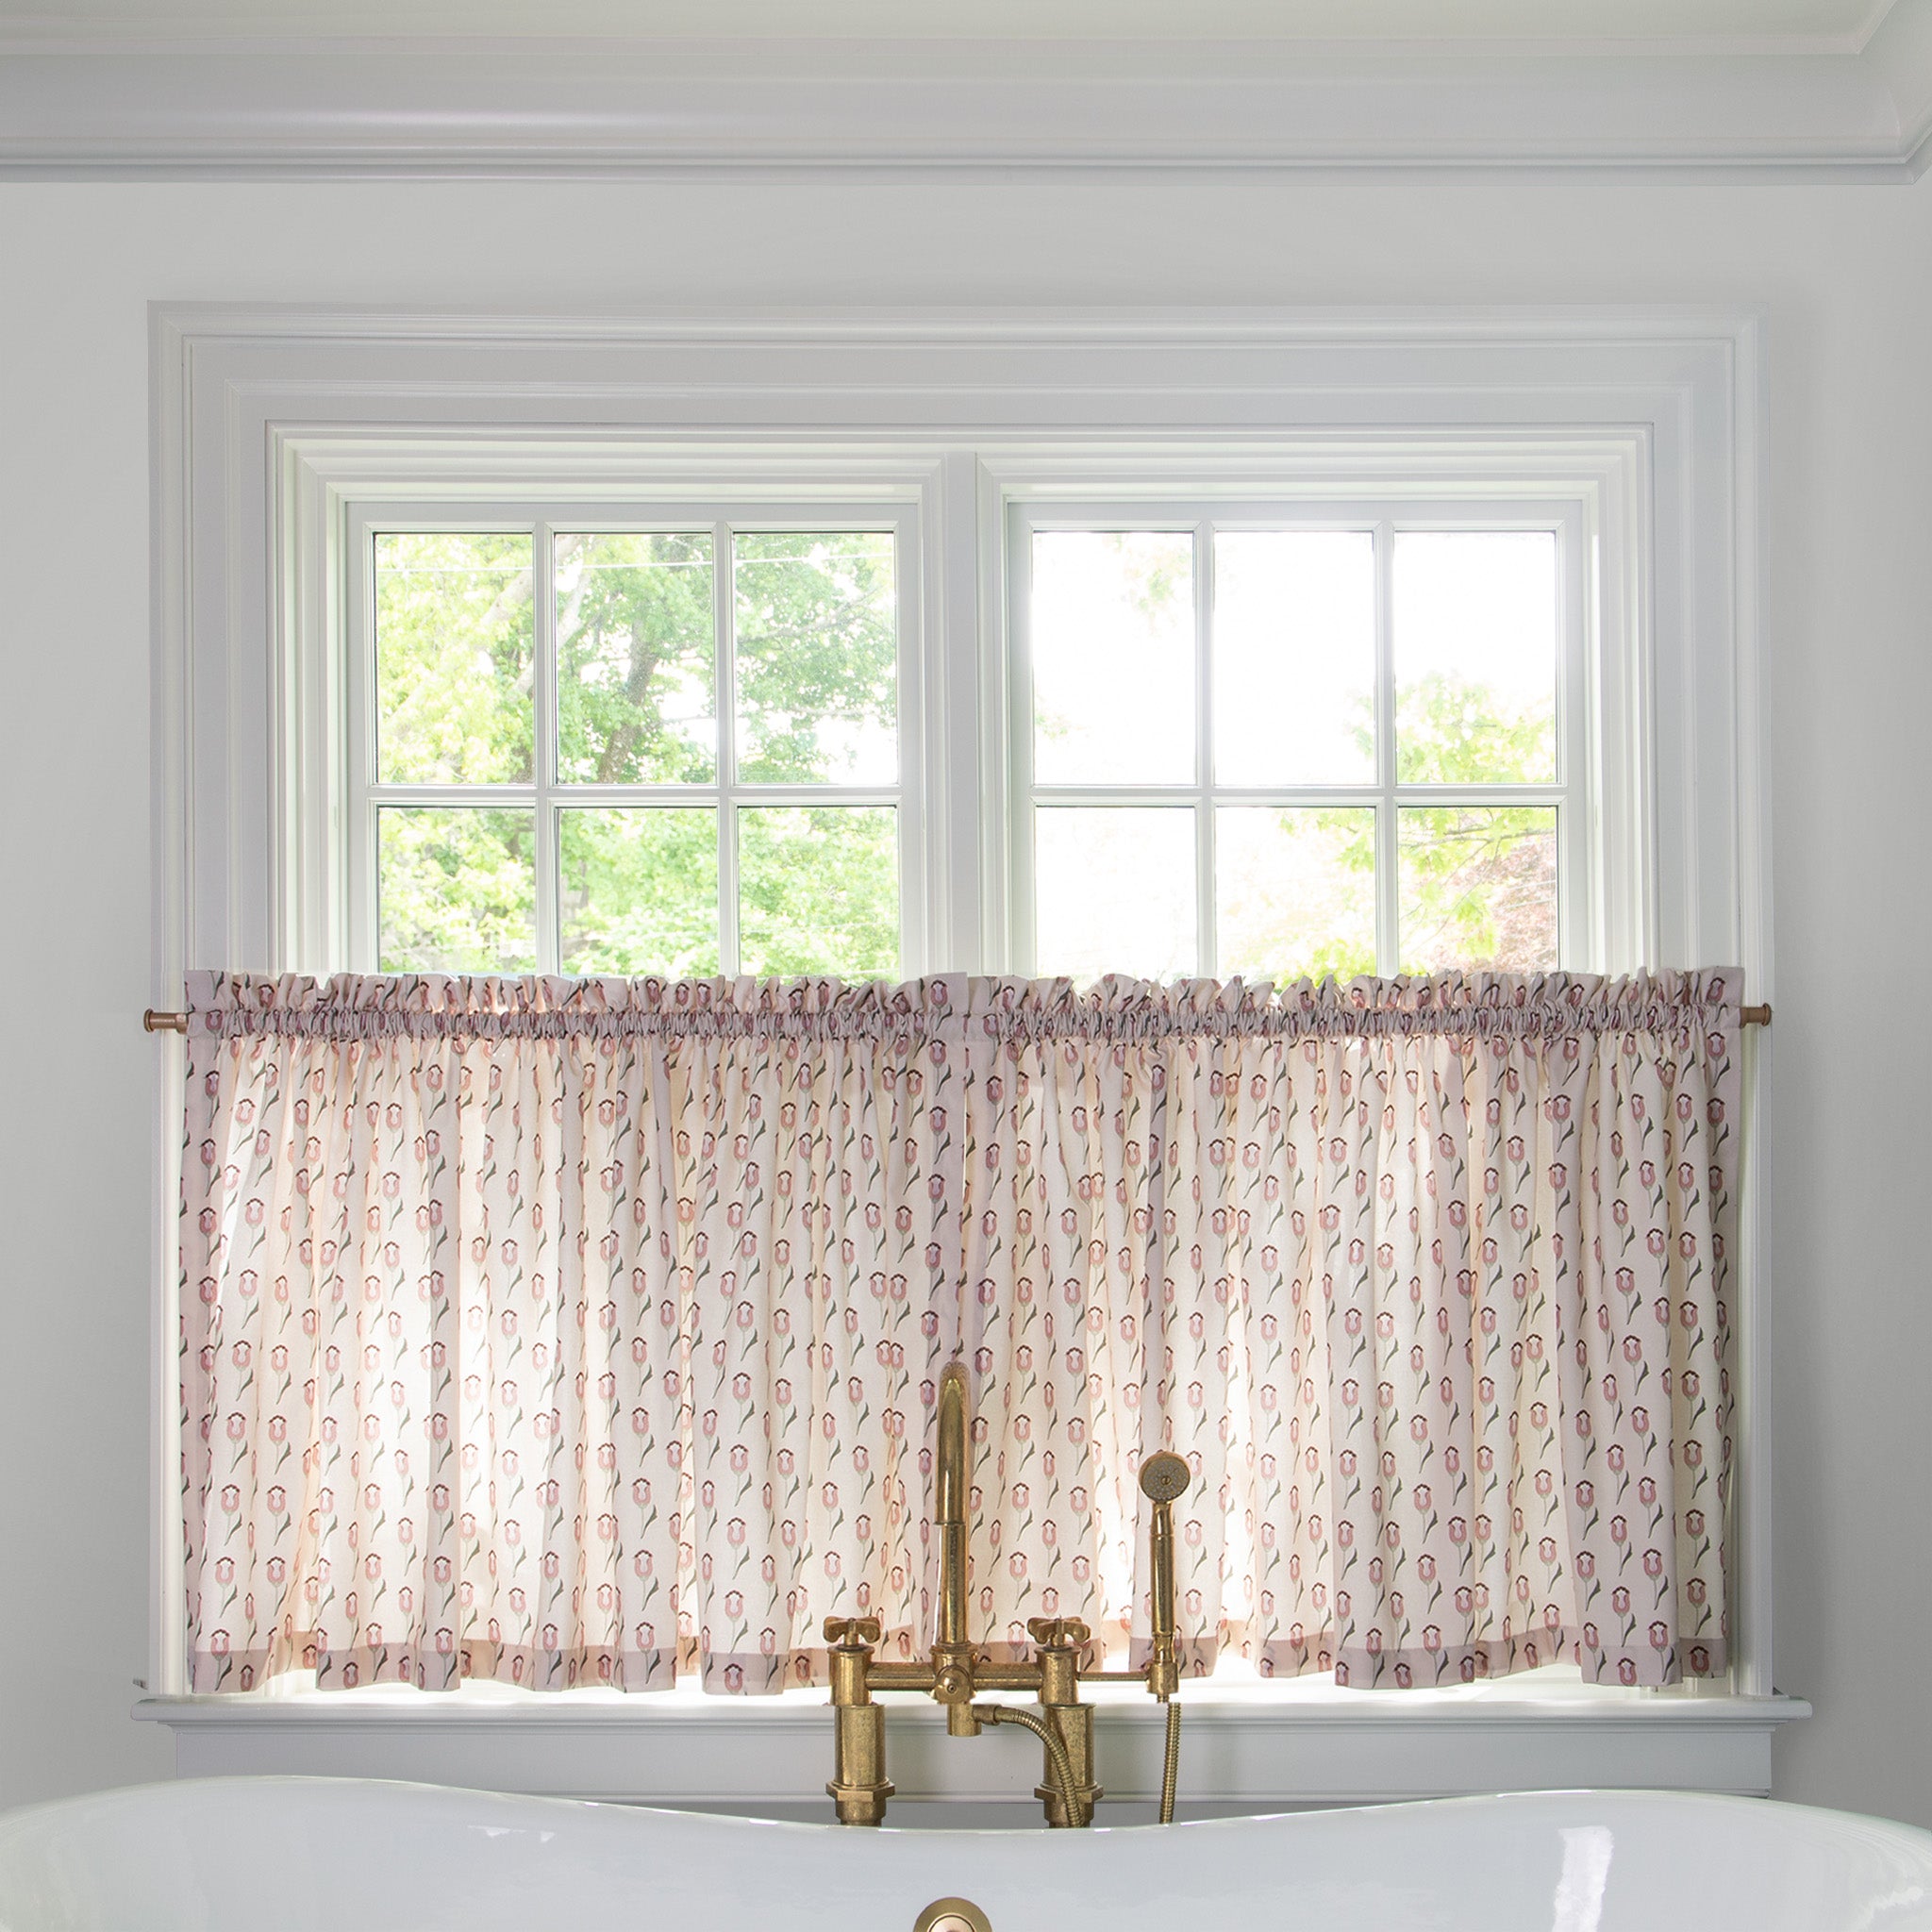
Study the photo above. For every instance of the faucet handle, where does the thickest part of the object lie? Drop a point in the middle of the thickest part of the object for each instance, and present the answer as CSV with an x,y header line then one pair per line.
x,y
1057,1633
851,1633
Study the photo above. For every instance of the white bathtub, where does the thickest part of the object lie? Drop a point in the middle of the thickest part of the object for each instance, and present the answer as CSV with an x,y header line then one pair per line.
x,y
315,1854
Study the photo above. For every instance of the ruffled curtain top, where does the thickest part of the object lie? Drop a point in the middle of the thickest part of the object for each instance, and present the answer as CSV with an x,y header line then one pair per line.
x,y
1530,1005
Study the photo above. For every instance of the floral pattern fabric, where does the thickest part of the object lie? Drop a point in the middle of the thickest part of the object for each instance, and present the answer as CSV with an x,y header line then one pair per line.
x,y
578,1331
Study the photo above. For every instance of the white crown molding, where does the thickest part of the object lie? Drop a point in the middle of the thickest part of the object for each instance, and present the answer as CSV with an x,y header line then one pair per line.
x,y
1899,49
1096,27
399,108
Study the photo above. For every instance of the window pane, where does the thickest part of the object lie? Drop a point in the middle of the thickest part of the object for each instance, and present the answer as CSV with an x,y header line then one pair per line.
x,y
818,890
453,658
638,891
1475,658
1114,891
1294,892
457,891
1113,658
636,701
817,618
1478,888
1295,657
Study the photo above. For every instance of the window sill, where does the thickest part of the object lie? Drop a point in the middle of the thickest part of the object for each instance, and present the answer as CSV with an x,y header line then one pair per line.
x,y
1244,1748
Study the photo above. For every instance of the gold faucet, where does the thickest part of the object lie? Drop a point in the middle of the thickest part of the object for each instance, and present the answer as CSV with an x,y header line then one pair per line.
x,y
957,1674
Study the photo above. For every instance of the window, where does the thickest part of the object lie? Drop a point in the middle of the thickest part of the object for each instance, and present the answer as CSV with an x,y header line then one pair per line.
x,y
1249,741
1296,748
623,749
1627,440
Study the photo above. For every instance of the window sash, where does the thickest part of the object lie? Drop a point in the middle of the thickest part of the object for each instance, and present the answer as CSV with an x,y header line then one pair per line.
x,y
355,859
1574,793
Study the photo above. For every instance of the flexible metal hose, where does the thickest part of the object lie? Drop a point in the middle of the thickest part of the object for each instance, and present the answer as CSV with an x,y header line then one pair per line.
x,y
1056,1750
1170,1770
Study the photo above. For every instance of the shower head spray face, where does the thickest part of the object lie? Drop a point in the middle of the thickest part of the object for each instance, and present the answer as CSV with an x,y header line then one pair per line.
x,y
1164,1476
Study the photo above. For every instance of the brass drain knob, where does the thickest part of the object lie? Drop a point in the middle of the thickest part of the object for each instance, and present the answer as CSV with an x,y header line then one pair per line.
x,y
952,1915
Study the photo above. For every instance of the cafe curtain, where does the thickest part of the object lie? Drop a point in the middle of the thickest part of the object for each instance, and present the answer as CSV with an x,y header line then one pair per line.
x,y
568,1332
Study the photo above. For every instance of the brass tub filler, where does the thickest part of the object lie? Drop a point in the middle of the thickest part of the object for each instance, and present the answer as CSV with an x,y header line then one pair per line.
x,y
956,1676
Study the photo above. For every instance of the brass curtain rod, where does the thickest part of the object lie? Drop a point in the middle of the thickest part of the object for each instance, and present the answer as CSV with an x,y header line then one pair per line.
x,y
157,1021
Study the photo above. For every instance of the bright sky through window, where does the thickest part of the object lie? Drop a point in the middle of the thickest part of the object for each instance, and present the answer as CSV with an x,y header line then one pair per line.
x,y
1376,784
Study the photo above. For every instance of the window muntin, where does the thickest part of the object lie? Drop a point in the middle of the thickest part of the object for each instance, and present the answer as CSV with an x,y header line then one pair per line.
x,y
1347,743
581,746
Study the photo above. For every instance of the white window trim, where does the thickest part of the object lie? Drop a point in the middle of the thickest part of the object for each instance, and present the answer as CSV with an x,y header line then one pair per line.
x,y
1648,419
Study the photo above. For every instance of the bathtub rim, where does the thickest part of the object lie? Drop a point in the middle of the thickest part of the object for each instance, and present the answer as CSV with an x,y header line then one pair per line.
x,y
1859,1825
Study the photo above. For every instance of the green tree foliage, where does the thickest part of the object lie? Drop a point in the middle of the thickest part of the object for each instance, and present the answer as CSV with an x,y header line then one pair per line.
x,y
636,703
1478,888
456,643
820,891
816,658
639,891
457,891
637,699
1477,882
815,702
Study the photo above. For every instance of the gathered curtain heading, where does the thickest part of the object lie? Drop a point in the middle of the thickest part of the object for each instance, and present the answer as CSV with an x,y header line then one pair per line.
x,y
568,1332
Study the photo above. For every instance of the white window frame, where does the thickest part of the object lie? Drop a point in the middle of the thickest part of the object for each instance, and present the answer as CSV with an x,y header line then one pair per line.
x,y
1593,796
1645,422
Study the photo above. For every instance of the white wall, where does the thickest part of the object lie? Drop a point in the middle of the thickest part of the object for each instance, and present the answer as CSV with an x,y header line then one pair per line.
x,y
1844,277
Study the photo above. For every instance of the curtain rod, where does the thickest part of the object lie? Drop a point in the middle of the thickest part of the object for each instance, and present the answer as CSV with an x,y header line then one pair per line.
x,y
157,1021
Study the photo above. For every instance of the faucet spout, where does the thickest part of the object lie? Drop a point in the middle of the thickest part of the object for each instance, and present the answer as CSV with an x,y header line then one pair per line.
x,y
950,1508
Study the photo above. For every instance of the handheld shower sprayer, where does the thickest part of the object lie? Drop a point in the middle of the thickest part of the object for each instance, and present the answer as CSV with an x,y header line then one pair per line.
x,y
1165,1476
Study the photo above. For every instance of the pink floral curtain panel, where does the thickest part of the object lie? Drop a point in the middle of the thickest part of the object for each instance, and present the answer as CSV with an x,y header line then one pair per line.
x,y
565,1332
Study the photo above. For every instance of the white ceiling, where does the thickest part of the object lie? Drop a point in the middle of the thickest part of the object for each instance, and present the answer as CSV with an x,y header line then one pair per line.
x,y
1660,26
